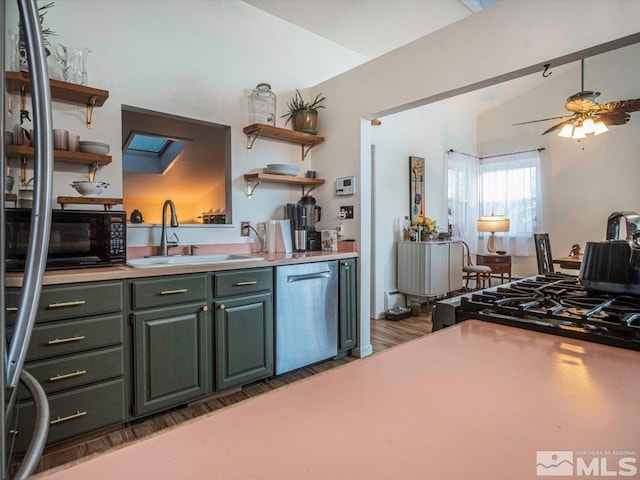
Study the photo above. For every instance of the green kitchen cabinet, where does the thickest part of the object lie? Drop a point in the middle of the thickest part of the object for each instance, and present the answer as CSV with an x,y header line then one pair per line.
x,y
243,327
171,343
244,340
78,353
347,309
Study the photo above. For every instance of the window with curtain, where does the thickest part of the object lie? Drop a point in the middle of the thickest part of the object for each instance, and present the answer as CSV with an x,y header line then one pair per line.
x,y
505,185
510,185
462,197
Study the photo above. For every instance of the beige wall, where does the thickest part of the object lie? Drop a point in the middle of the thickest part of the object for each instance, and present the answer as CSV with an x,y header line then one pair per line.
x,y
484,48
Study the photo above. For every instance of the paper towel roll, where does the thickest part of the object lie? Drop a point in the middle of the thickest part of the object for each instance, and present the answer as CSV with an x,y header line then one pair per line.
x,y
279,236
273,228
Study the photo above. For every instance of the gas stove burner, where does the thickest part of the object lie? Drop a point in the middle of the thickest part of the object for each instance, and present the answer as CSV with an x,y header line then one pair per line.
x,y
558,304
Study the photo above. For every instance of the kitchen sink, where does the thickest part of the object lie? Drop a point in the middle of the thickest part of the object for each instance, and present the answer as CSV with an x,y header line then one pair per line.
x,y
172,260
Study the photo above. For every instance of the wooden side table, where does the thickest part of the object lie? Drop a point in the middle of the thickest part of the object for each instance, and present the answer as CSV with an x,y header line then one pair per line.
x,y
499,264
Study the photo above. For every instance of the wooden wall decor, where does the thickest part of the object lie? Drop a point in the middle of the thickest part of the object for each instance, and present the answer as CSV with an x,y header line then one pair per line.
x,y
416,188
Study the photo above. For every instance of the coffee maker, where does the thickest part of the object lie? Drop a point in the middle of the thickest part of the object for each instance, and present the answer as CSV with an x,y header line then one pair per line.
x,y
314,213
297,216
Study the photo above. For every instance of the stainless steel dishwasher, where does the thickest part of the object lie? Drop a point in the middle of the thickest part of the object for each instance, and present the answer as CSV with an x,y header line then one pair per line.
x,y
306,314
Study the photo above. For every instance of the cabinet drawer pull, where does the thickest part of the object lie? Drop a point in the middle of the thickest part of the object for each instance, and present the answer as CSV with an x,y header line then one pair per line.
x,y
78,414
12,309
64,376
66,340
174,292
222,307
205,309
75,303
242,284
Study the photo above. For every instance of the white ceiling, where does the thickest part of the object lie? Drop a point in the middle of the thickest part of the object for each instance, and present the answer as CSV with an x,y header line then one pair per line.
x,y
371,27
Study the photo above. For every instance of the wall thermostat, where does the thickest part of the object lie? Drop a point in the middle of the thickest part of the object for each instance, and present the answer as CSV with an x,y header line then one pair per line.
x,y
346,185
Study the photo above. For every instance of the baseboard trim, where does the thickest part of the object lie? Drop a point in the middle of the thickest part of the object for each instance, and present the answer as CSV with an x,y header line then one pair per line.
x,y
362,352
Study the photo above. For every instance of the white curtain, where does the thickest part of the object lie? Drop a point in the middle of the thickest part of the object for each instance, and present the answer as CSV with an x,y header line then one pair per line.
x,y
510,186
462,197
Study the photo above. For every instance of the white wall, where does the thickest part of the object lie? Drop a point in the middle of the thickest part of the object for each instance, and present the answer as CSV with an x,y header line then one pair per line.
x,y
583,181
479,50
426,132
197,59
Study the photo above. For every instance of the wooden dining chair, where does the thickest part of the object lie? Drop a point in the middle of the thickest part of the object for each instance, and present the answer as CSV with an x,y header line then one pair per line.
x,y
482,273
543,253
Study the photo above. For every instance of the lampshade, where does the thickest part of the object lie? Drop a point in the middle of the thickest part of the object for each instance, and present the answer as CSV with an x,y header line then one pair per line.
x,y
493,223
582,128
589,125
599,128
566,131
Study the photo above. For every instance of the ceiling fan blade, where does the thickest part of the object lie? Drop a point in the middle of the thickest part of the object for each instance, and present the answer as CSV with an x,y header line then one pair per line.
x,y
625,106
543,120
614,118
557,126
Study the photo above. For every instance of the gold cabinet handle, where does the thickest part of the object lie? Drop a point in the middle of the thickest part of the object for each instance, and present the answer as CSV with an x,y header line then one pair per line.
x,y
174,292
242,284
12,309
222,307
64,376
78,414
75,303
66,340
205,309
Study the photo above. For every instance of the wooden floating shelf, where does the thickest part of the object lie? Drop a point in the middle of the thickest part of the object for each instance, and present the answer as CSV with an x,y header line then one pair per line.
x,y
254,179
306,140
19,82
17,151
108,203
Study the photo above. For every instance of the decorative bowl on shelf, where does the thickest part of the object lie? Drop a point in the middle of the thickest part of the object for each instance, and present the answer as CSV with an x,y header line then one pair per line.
x,y
87,189
95,147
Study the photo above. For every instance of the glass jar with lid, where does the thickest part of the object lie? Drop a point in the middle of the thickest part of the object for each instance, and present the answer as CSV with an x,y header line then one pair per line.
x,y
262,105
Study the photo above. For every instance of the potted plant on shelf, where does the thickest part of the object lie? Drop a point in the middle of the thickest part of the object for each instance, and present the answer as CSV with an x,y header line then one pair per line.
x,y
304,115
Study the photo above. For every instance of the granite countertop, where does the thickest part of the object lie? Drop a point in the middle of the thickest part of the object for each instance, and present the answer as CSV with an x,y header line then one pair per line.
x,y
119,272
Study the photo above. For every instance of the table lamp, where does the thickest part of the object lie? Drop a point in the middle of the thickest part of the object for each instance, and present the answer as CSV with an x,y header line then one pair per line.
x,y
493,223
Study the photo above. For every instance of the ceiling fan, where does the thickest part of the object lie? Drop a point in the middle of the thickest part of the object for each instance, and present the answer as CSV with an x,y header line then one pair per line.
x,y
588,116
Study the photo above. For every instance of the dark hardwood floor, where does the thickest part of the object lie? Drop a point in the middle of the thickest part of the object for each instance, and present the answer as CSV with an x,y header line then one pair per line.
x,y
384,334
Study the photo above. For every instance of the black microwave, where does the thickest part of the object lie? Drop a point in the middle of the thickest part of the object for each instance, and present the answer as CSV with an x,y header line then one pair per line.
x,y
77,239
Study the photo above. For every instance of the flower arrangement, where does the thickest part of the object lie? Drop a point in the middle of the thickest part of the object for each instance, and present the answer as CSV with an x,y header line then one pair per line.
x,y
424,227
427,224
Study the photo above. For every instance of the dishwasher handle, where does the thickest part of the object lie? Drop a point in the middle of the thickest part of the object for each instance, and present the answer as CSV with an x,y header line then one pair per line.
x,y
308,276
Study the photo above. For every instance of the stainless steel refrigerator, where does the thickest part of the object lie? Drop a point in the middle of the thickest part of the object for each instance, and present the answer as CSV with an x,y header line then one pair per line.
x,y
14,343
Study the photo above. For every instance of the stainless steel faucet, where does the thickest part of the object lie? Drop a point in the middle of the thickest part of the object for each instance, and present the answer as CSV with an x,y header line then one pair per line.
x,y
164,243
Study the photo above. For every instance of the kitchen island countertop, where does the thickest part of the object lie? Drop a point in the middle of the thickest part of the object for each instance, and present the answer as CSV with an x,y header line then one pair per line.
x,y
473,401
119,272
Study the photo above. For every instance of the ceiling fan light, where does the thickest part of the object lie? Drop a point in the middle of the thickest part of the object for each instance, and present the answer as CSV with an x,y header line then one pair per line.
x,y
567,131
599,128
589,125
578,133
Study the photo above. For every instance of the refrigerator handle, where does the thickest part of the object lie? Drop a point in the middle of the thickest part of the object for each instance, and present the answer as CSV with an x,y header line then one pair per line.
x,y
43,174
41,427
